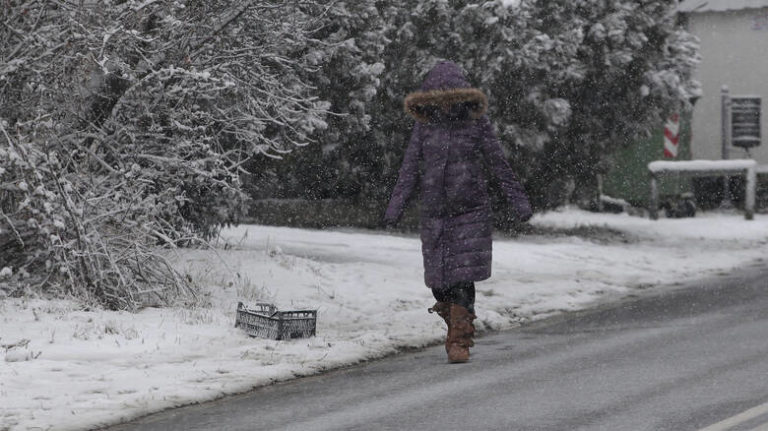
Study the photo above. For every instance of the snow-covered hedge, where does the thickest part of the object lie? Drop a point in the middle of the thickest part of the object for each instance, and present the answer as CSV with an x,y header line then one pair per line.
x,y
125,125
569,82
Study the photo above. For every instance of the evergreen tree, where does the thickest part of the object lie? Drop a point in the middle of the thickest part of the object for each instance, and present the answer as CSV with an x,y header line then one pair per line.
x,y
345,49
569,81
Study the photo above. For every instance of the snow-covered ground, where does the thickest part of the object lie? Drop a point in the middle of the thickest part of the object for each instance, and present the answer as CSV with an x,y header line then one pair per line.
x,y
77,369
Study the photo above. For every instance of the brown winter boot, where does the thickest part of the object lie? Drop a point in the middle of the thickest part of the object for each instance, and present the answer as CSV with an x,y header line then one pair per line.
x,y
443,309
460,333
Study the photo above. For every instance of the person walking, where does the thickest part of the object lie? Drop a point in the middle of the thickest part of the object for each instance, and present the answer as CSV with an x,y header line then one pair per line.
x,y
451,145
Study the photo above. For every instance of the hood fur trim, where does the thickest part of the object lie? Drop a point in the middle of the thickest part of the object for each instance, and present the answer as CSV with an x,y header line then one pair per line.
x,y
446,97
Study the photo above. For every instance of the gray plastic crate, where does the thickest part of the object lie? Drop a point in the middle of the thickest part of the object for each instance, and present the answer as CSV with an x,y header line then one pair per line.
x,y
265,321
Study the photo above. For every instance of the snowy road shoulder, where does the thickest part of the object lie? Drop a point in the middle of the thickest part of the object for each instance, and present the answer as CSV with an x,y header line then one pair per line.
x,y
63,367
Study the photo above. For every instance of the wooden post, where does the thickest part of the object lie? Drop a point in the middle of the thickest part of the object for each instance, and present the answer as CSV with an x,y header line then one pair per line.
x,y
725,121
725,138
600,206
654,204
749,199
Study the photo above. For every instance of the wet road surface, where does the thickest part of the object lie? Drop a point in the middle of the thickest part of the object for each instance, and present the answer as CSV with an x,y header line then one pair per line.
x,y
688,359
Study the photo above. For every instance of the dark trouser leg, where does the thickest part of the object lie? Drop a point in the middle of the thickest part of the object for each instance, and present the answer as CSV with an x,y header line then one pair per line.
x,y
464,295
460,293
442,295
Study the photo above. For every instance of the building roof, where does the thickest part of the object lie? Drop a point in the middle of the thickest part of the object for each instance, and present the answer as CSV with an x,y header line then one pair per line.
x,y
692,6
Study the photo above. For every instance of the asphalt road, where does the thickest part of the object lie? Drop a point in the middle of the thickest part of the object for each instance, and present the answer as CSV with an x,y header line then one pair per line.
x,y
692,358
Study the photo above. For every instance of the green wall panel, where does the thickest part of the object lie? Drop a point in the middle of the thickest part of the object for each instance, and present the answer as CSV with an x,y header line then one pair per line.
x,y
628,178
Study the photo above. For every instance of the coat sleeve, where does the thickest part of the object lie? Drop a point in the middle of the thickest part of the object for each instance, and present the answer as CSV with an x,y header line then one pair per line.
x,y
495,159
407,179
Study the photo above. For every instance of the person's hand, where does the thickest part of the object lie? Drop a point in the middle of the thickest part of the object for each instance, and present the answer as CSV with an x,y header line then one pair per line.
x,y
524,216
386,224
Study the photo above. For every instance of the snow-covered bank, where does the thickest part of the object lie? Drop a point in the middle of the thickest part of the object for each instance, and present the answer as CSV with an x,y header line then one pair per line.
x,y
82,369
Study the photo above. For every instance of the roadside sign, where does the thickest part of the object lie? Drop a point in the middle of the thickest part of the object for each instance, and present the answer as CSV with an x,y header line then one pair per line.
x,y
671,136
745,121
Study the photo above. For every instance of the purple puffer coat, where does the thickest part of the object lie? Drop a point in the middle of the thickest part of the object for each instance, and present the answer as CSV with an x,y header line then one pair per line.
x,y
447,161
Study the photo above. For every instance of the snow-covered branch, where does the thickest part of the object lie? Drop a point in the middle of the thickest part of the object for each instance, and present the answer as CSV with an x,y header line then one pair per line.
x,y
127,129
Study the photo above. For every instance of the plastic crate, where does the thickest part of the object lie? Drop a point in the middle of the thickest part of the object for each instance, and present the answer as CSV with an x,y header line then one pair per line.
x,y
265,321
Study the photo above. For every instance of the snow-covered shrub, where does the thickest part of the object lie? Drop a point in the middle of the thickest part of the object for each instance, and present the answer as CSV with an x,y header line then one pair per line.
x,y
125,126
347,47
630,66
569,82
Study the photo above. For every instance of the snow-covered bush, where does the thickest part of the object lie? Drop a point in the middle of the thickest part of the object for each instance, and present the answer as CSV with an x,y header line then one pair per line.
x,y
569,82
347,46
125,125
629,67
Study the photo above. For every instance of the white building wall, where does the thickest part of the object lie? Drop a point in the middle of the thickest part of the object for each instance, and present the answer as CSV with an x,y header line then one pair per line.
x,y
734,51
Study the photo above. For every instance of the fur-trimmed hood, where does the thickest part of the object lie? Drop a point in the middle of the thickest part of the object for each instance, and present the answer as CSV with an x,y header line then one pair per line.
x,y
445,84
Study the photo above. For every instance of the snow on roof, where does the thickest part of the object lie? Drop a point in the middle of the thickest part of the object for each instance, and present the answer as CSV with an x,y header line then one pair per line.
x,y
691,6
700,165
